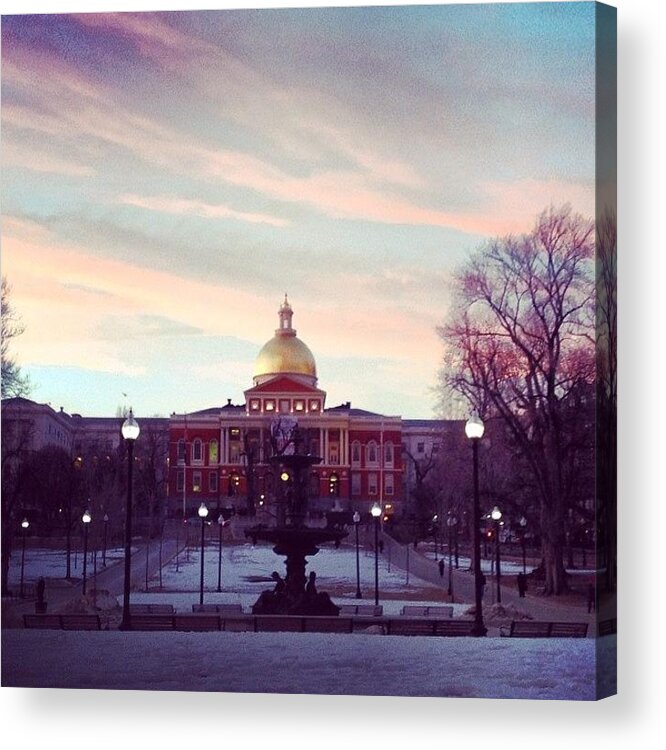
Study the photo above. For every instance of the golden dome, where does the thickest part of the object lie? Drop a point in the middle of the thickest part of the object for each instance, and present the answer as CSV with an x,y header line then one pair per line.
x,y
285,353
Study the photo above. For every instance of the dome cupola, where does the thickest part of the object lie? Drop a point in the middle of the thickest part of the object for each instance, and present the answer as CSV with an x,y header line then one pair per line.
x,y
285,353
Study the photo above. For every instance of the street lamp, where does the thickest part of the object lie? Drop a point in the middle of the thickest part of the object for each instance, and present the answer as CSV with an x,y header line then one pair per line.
x,y
106,528
496,515
220,523
451,522
376,512
434,532
523,524
474,429
357,520
24,526
86,518
202,513
130,432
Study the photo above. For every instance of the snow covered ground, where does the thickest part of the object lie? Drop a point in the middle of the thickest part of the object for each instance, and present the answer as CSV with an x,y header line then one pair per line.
x,y
53,563
306,663
246,573
358,664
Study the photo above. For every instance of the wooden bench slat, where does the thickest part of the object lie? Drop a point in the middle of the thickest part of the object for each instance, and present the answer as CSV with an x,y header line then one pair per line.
x,y
278,623
535,629
80,622
196,622
47,622
218,608
328,625
152,622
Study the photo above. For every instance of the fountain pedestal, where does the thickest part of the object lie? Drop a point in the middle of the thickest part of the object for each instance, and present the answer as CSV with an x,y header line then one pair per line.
x,y
296,594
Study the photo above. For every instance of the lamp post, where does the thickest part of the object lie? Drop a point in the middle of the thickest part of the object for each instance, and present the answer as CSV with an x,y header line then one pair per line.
x,y
202,513
451,522
86,518
357,521
106,529
434,533
496,515
474,429
523,524
24,526
130,432
376,512
220,523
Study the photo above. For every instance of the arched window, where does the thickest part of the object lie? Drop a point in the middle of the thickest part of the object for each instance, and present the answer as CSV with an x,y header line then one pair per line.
x,y
388,454
197,450
356,453
181,451
212,452
372,453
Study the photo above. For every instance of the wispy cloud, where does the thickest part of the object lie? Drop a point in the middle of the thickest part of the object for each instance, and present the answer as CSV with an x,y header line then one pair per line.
x,y
182,206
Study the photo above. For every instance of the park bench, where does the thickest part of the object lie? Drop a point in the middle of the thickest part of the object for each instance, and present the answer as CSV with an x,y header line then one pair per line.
x,y
532,629
199,622
151,609
220,609
71,621
325,624
411,626
278,623
46,622
80,622
608,627
363,610
151,622
419,611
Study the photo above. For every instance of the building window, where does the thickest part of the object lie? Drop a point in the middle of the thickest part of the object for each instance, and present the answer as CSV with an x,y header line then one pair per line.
x,y
212,452
372,453
372,483
435,448
388,484
197,450
234,433
356,484
196,481
285,405
388,454
234,454
269,405
314,405
181,451
180,481
254,404
420,447
333,455
356,453
212,481
299,405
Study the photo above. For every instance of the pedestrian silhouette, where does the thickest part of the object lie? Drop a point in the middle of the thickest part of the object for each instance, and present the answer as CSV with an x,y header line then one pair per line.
x,y
441,568
522,585
482,583
381,546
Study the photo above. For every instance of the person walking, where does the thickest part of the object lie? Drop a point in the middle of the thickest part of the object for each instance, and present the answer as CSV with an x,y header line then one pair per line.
x,y
440,565
522,585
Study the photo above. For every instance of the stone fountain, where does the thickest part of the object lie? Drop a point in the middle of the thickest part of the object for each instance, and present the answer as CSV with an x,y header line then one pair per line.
x,y
295,594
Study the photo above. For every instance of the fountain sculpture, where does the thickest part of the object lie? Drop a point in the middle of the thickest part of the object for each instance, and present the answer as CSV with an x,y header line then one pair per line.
x,y
294,595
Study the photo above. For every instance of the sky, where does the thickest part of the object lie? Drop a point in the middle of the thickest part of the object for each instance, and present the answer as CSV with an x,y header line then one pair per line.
x,y
167,177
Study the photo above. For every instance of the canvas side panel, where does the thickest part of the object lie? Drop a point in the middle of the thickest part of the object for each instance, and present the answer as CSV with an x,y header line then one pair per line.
x,y
606,324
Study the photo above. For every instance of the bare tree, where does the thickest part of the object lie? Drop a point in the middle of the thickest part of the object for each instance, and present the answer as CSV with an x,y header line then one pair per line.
x,y
13,383
521,342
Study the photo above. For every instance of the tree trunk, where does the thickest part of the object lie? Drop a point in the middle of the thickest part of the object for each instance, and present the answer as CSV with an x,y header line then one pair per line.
x,y
555,581
6,554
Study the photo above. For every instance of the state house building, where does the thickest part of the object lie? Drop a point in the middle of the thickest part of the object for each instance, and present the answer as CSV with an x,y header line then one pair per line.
x,y
220,454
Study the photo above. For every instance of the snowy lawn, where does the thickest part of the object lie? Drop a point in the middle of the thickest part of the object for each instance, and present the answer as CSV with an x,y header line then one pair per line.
x,y
246,573
51,563
305,663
